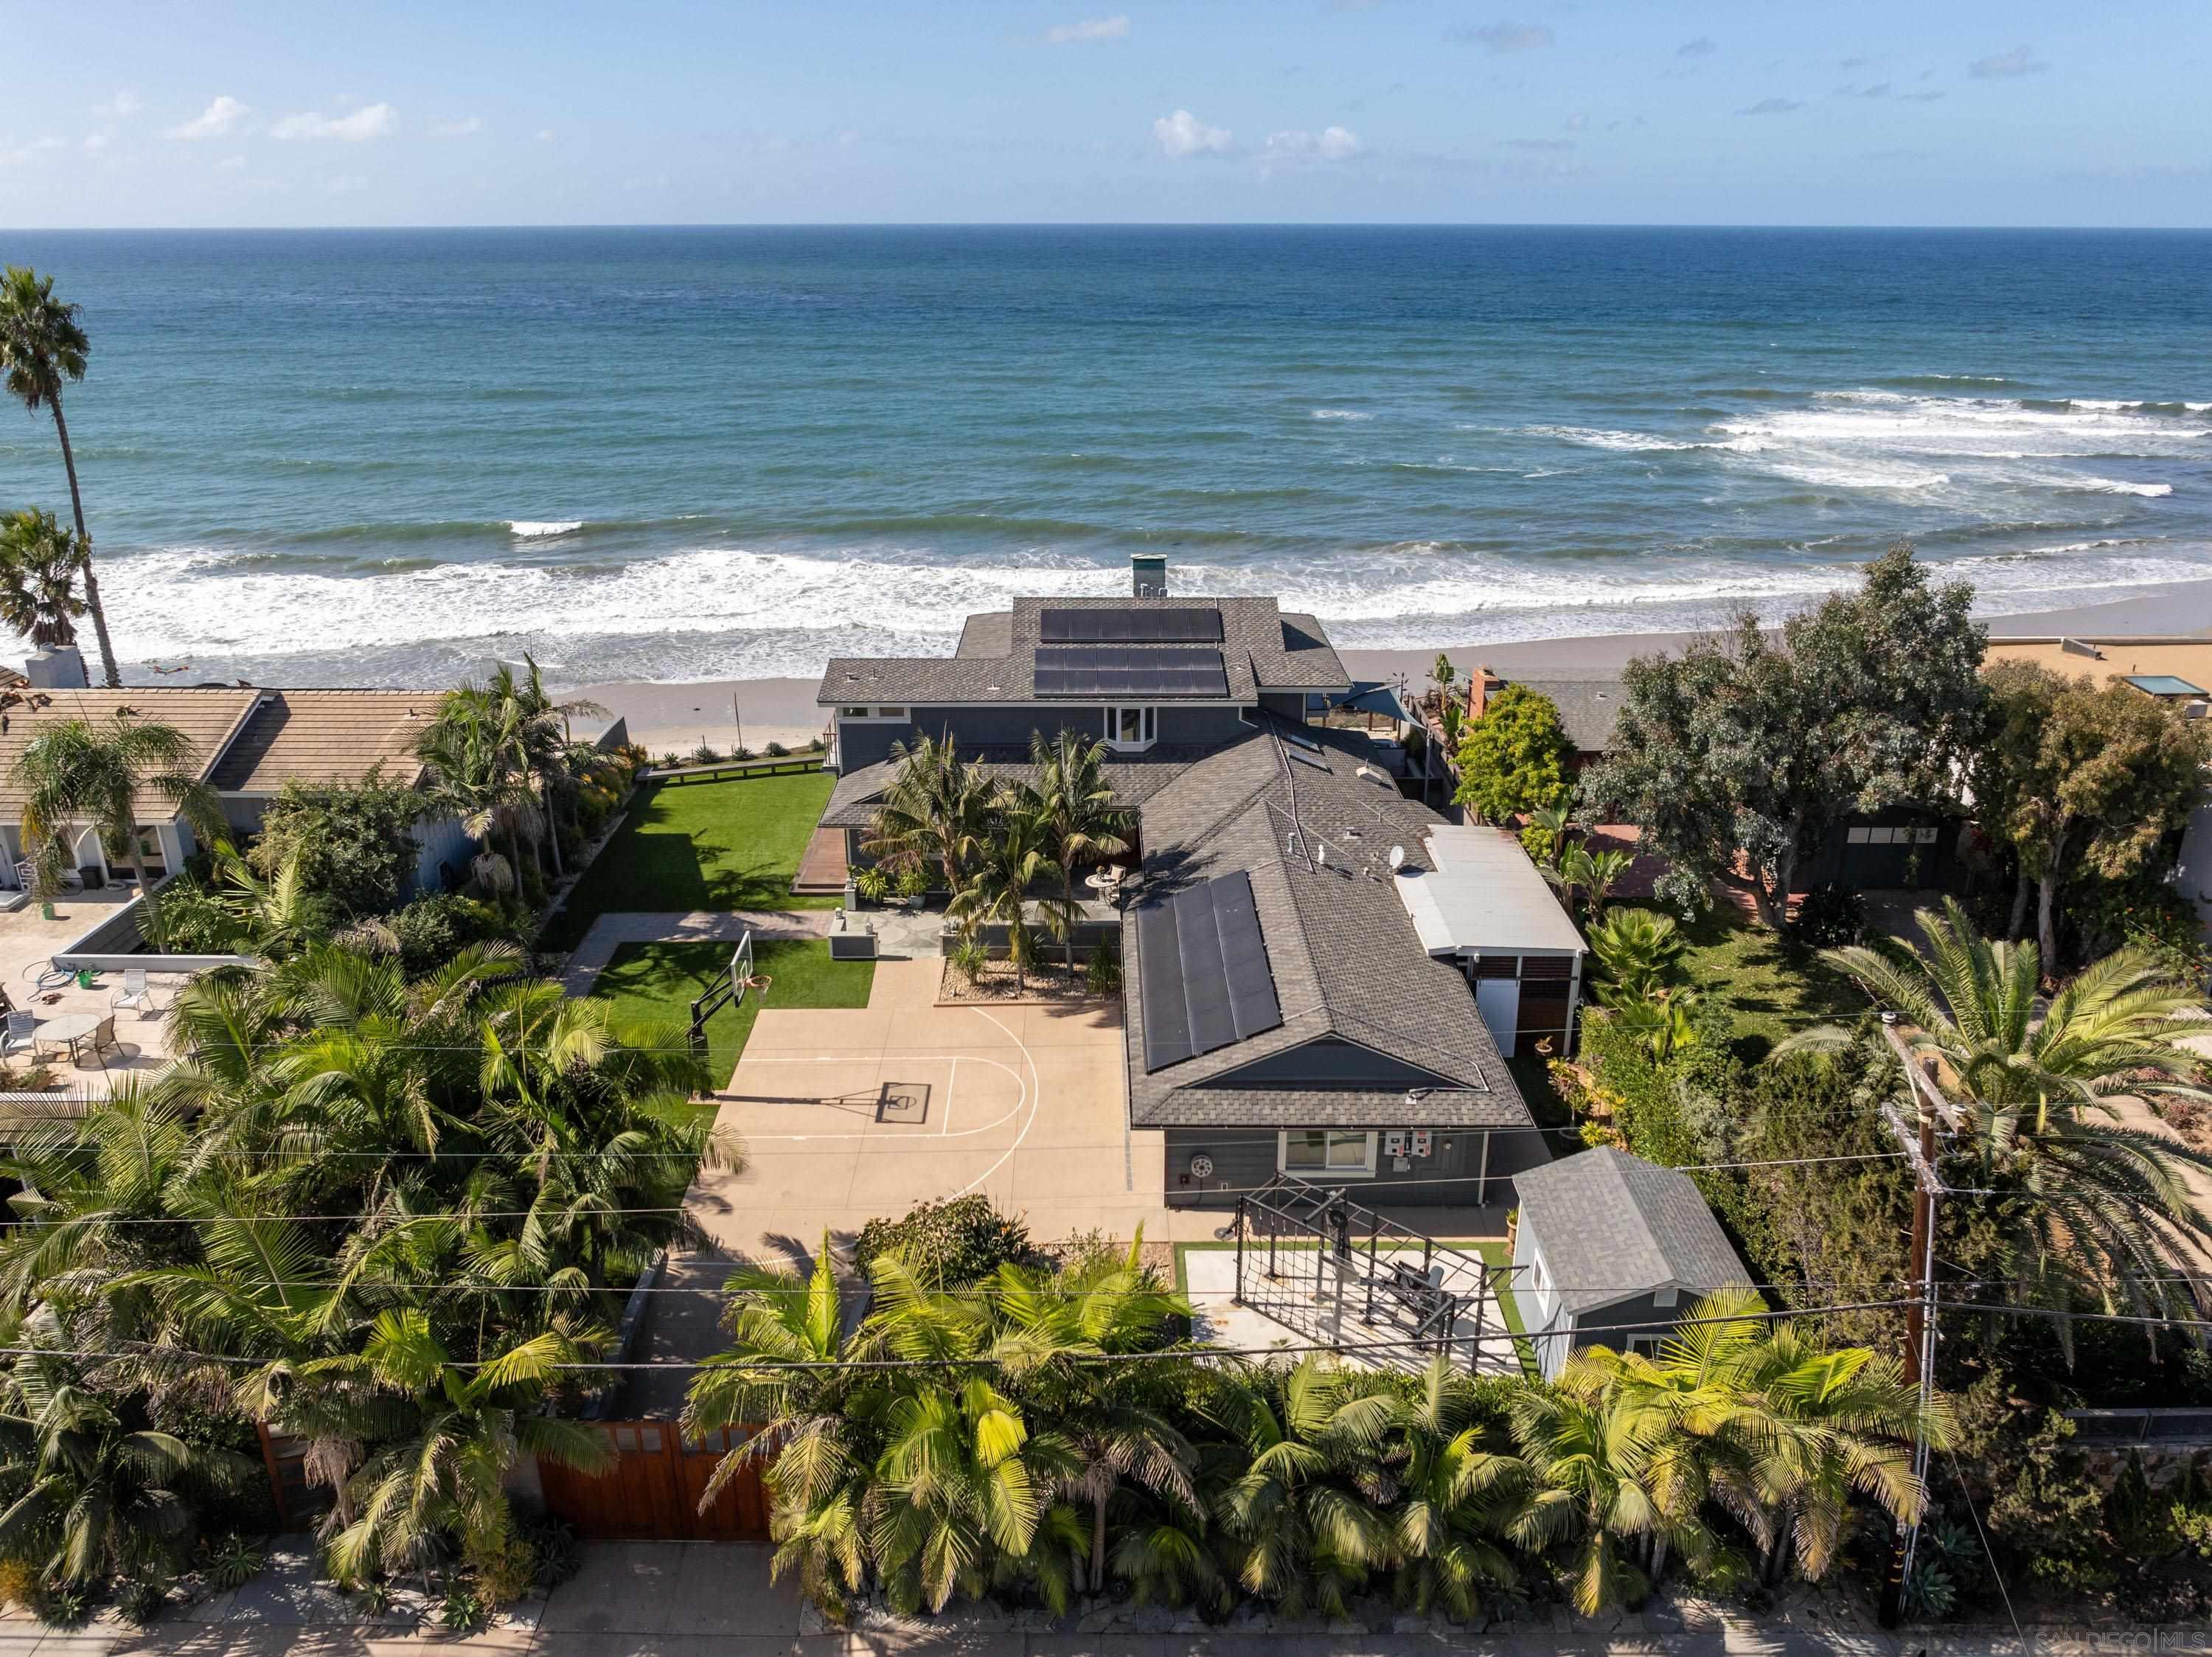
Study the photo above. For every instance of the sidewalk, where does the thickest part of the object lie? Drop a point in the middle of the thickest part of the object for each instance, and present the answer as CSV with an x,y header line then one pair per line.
x,y
714,1600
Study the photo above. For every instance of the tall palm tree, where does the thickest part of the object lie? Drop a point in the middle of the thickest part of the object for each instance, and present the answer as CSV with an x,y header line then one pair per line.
x,y
1012,859
1461,1495
2103,1209
90,773
477,774
1069,798
38,568
539,728
937,810
42,346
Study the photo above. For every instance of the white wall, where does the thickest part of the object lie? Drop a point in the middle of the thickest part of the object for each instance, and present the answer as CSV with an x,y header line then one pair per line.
x,y
441,840
2192,872
1546,1321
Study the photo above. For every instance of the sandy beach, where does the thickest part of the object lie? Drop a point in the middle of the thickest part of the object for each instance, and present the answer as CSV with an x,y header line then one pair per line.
x,y
679,717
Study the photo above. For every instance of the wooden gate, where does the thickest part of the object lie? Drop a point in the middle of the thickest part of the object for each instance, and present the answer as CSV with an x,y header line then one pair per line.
x,y
651,1492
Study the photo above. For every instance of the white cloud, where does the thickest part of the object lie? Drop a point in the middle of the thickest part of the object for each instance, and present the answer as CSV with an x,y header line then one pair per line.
x,y
2006,65
1089,29
213,122
1331,143
1771,106
96,142
342,184
370,121
460,129
545,135
1501,38
1183,135
231,163
121,107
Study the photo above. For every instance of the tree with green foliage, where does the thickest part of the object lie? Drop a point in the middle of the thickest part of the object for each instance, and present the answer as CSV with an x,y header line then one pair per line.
x,y
42,347
39,566
1014,856
1513,757
354,842
1069,798
936,811
1739,756
85,773
2078,780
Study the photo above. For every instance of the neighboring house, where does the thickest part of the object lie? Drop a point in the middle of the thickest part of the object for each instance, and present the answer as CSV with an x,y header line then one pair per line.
x,y
1588,707
250,743
1611,1249
1284,1009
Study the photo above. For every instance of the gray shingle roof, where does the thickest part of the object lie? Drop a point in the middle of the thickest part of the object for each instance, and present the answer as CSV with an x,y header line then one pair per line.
x,y
1134,778
1613,1227
1261,649
1588,708
1344,958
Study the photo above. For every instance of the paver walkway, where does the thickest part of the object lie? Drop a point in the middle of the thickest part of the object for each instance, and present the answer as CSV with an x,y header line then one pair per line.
x,y
615,929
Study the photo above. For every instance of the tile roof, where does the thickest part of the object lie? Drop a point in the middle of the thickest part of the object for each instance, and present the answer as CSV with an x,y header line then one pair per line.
x,y
1261,649
1343,952
207,719
324,737
1613,1227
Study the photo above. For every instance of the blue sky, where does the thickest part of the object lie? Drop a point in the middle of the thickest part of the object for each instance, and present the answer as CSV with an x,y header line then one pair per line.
x,y
489,112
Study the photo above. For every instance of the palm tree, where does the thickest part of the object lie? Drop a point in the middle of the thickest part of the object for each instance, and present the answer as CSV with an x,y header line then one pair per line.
x,y
1794,1430
1069,798
41,345
39,566
476,774
1461,1497
937,810
472,1424
2104,1209
1306,1516
1011,860
539,728
92,772
1610,1475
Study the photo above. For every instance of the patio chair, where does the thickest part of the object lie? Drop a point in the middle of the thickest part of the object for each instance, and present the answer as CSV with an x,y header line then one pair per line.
x,y
22,1032
136,994
102,1039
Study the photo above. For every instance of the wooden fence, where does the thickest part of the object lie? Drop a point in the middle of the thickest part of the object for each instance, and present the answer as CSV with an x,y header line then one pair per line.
x,y
651,1491
733,770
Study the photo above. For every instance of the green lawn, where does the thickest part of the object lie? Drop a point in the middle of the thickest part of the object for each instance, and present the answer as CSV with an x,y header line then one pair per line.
x,y
661,981
1775,988
702,845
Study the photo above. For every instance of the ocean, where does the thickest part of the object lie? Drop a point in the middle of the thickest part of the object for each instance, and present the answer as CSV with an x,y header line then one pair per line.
x,y
382,456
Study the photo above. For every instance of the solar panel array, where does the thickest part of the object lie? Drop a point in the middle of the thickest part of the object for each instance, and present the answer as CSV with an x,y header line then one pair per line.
x,y
1113,671
1204,975
1153,623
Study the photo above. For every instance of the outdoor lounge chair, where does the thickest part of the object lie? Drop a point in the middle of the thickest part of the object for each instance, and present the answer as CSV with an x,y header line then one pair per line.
x,y
102,1039
22,1032
138,994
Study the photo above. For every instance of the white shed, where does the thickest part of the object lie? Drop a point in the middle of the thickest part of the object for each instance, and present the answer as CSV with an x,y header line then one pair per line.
x,y
1486,908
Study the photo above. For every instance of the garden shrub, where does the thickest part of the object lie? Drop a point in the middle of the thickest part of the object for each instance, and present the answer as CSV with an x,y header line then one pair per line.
x,y
951,1243
1829,917
439,925
194,920
354,842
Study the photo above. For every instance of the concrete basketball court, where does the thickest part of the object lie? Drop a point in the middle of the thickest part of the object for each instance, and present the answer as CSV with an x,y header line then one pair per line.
x,y
849,1114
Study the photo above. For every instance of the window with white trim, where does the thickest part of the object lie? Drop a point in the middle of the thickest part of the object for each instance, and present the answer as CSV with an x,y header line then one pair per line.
x,y
1665,1296
1344,1151
1132,726
1649,1345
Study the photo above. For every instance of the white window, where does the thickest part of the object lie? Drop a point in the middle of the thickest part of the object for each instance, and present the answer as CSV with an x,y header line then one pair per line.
x,y
1341,1151
1132,727
852,713
1858,836
872,714
1664,1296
1647,1344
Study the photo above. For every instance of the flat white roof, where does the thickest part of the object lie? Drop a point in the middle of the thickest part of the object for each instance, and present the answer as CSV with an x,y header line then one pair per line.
x,y
1485,897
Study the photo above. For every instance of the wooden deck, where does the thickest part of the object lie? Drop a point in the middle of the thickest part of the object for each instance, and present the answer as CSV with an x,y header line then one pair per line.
x,y
822,869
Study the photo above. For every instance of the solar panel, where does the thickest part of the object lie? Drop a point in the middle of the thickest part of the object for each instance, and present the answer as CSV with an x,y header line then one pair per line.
x,y
1204,976
1113,671
1154,624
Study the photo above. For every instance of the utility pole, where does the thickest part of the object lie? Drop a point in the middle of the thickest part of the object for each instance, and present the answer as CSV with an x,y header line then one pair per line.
x,y
1919,1143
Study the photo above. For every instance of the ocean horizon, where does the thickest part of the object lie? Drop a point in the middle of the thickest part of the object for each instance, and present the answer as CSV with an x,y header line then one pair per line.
x,y
686,453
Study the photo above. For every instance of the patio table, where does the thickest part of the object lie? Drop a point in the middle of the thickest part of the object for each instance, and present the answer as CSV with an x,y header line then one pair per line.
x,y
67,1029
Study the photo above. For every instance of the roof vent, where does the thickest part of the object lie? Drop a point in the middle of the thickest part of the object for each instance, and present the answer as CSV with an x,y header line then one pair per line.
x,y
1148,575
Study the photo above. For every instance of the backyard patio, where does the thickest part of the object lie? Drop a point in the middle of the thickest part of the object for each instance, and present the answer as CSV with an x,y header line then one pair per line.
x,y
65,1014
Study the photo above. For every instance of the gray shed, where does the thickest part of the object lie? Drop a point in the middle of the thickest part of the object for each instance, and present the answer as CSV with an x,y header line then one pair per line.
x,y
1609,1250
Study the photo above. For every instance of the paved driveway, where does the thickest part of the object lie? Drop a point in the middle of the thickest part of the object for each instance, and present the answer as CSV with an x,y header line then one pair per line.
x,y
852,1113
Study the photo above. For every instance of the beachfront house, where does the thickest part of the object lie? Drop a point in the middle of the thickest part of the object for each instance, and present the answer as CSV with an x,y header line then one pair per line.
x,y
248,742
1303,948
1611,1249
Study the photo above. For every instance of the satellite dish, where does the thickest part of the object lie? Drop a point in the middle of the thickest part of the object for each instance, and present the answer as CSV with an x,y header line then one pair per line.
x,y
1397,858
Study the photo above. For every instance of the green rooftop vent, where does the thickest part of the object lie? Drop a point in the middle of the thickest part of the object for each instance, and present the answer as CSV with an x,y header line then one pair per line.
x,y
1148,574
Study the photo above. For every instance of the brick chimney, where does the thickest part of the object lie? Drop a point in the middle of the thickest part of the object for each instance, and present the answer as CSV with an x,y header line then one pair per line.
x,y
1482,685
